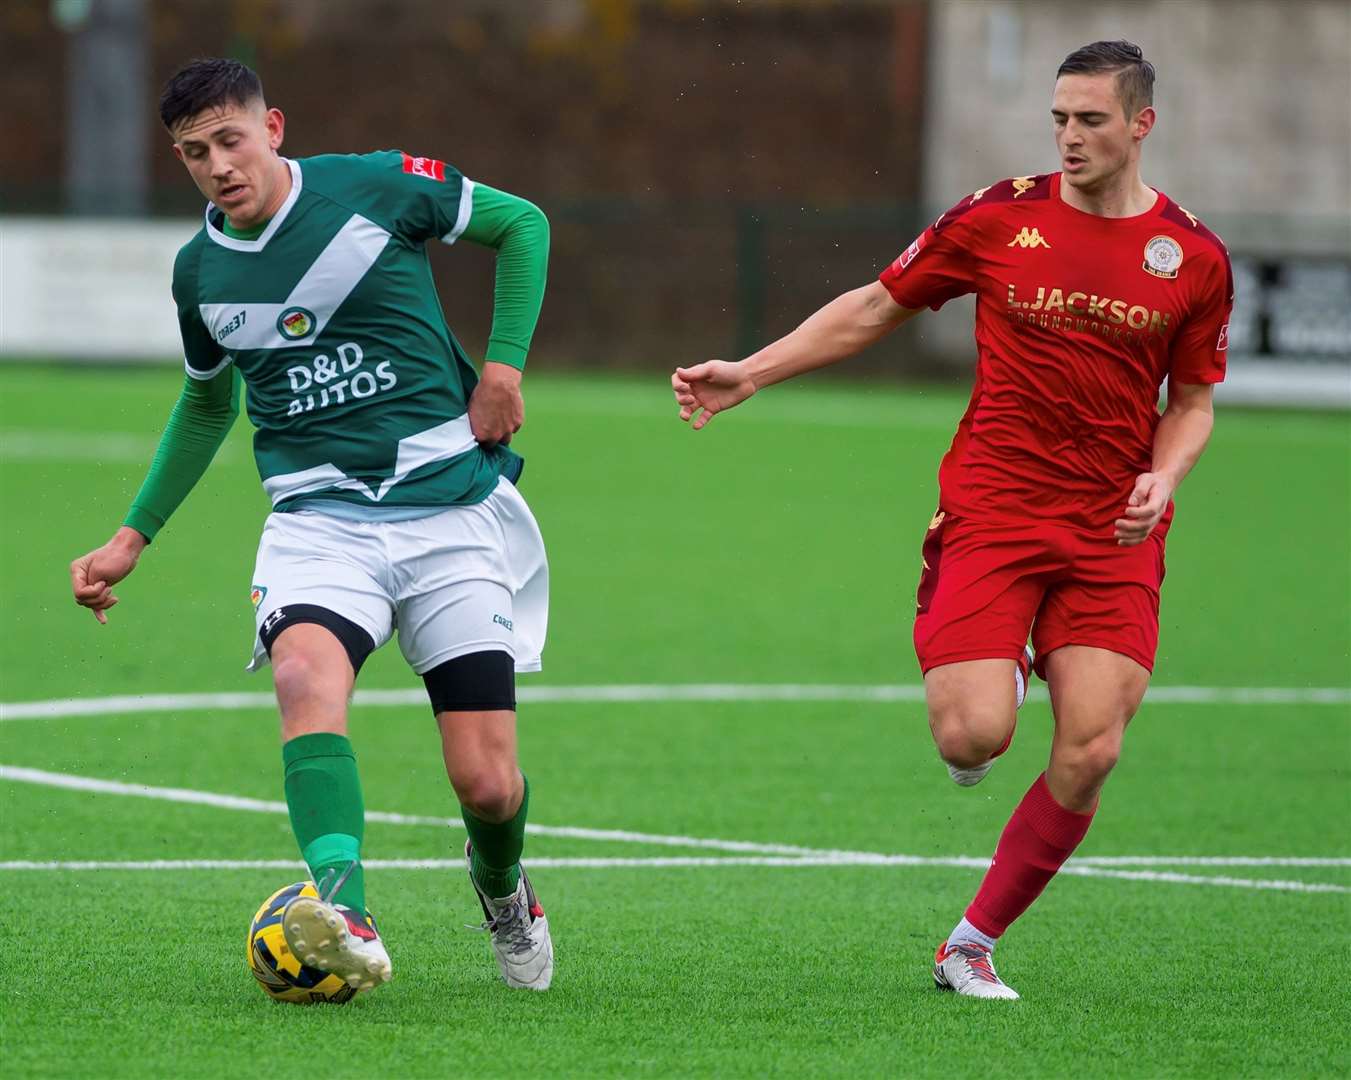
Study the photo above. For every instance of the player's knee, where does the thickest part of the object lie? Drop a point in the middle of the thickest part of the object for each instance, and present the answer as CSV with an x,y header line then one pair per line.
x,y
490,794
297,676
967,736
1089,763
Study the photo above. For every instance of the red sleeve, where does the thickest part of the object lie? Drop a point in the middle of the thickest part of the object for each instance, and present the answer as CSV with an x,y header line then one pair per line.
x,y
1199,352
939,265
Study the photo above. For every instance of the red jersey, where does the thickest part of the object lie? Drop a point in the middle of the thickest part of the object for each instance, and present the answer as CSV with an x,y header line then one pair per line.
x,y
1079,321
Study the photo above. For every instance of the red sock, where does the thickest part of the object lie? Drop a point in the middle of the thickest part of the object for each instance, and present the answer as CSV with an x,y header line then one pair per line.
x,y
1038,839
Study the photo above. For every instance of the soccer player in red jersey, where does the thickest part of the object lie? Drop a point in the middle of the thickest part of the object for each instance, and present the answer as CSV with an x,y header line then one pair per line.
x,y
1093,290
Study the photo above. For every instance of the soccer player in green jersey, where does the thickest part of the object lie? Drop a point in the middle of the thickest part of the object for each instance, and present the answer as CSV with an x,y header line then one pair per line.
x,y
393,492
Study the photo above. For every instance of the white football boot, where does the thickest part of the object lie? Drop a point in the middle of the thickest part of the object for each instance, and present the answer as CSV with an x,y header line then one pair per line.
x,y
974,775
520,934
337,939
968,969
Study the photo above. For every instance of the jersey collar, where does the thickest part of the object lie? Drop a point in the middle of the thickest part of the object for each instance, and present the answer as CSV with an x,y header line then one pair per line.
x,y
272,226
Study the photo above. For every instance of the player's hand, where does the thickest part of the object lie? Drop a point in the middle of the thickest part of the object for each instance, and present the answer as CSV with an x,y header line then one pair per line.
x,y
496,409
93,576
1144,509
710,387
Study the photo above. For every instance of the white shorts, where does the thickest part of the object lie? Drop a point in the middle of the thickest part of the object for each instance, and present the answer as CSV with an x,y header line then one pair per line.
x,y
469,579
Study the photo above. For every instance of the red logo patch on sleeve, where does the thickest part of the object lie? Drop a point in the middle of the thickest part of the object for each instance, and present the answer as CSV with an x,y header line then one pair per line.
x,y
1223,343
425,166
908,255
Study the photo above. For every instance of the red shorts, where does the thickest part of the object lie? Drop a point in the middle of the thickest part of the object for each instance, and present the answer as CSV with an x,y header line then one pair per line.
x,y
984,587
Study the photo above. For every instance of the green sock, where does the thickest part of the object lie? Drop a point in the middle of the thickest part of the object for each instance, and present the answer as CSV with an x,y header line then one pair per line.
x,y
328,817
495,858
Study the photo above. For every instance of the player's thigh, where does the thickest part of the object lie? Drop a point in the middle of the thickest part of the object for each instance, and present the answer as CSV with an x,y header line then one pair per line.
x,y
979,590
318,570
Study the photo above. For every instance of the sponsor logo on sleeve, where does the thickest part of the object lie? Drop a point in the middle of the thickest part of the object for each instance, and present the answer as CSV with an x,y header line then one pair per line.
x,y
256,595
1163,256
1022,185
1223,343
425,166
908,255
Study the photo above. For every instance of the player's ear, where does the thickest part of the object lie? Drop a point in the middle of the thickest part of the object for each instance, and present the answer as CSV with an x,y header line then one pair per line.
x,y
276,128
178,152
1144,122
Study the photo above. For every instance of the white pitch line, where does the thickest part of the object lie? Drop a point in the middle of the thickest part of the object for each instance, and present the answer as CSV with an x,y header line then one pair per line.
x,y
70,782
683,862
755,854
60,708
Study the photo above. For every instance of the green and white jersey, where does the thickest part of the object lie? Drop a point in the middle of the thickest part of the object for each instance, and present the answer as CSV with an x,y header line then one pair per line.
x,y
356,385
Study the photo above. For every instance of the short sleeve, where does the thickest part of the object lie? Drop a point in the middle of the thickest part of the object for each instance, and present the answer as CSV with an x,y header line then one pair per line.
x,y
939,265
424,198
202,357
1199,352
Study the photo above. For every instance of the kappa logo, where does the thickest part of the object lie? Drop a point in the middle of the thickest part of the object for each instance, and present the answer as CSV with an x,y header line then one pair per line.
x,y
1028,238
426,167
1022,185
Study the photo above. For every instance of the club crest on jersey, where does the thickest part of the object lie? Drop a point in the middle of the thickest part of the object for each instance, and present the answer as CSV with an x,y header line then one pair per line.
x,y
256,595
1029,238
425,166
295,323
1163,256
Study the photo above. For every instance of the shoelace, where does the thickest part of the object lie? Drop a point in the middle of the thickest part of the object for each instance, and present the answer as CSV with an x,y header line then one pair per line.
x,y
977,961
511,928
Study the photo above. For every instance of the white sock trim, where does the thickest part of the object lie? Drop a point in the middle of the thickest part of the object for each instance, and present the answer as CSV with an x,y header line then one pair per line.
x,y
965,932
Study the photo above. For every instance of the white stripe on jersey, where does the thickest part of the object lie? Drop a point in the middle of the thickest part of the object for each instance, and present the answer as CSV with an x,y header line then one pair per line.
x,y
441,443
329,280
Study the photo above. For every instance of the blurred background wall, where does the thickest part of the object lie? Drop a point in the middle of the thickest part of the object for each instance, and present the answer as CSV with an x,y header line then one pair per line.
x,y
713,170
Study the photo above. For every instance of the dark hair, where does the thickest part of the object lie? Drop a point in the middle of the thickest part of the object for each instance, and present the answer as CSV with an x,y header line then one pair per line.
x,y
1134,74
204,84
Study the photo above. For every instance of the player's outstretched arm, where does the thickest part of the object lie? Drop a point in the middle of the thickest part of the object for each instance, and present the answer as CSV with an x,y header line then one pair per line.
x,y
1182,434
844,327
201,418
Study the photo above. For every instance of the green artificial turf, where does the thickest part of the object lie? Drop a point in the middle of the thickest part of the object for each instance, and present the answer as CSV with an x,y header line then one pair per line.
x,y
779,546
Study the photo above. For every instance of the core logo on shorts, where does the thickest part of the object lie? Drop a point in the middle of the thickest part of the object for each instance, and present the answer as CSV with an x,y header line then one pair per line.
x,y
295,323
503,622
256,595
1163,256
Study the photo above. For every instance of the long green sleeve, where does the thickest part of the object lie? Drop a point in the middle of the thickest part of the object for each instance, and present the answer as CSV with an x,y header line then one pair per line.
x,y
519,232
200,420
